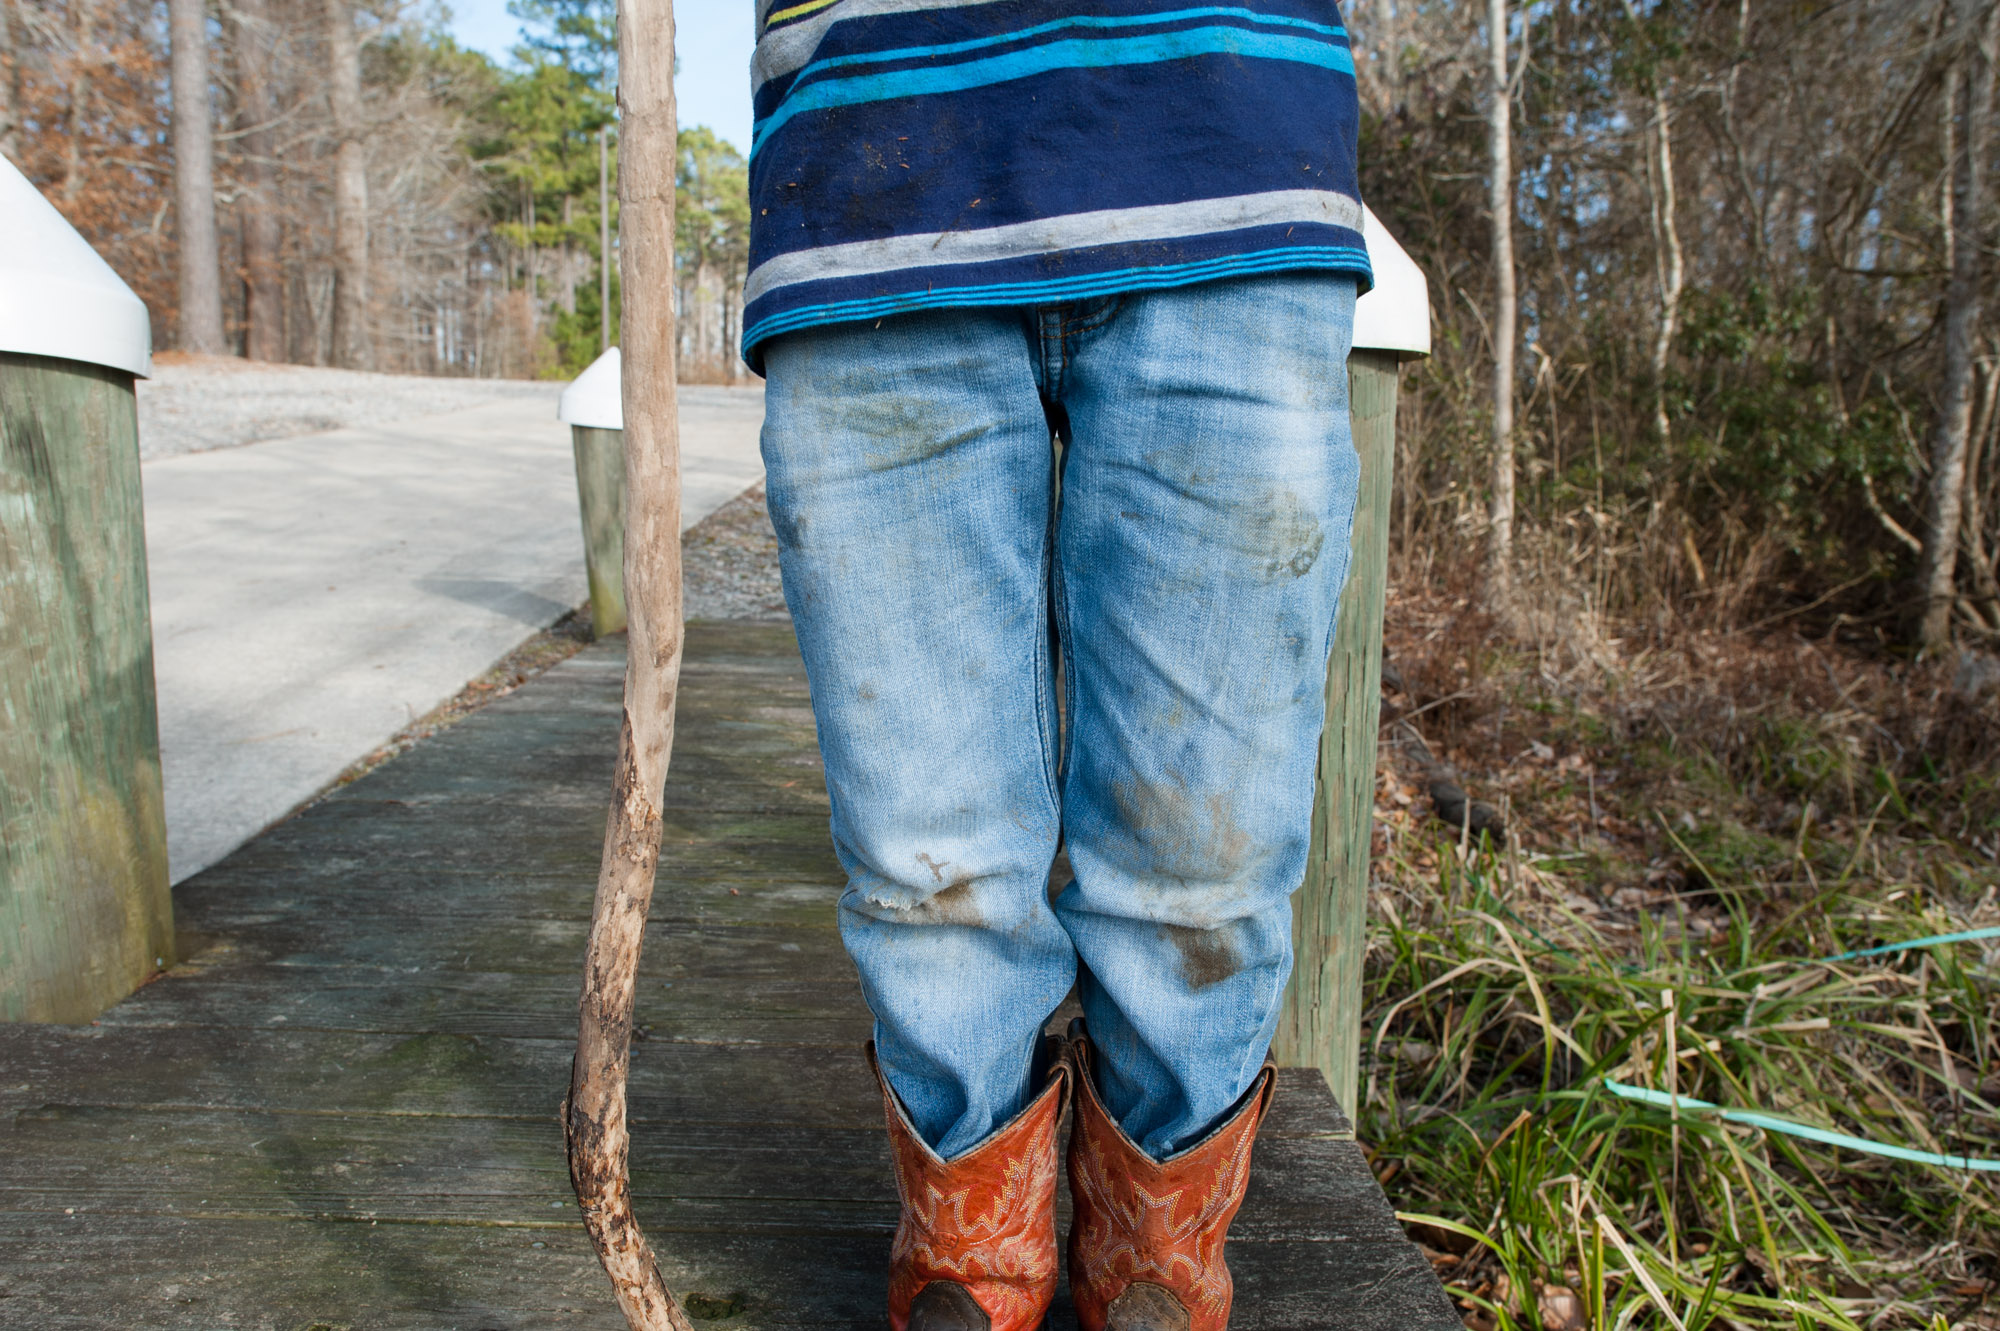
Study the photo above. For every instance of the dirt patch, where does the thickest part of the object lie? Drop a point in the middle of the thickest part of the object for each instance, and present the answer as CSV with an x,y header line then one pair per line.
x,y
730,562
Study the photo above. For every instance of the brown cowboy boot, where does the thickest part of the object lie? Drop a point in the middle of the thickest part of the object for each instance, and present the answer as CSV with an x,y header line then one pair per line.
x,y
1145,1248
975,1249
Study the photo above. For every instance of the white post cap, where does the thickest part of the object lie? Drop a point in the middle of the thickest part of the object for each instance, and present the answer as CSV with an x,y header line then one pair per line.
x,y
1396,314
592,399
57,296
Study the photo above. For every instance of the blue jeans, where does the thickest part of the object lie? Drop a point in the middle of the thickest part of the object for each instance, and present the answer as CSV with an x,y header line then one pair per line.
x,y
1190,574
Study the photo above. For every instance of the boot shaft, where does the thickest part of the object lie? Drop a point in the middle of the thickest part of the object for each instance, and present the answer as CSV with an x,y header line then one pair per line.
x,y
975,1246
1146,1245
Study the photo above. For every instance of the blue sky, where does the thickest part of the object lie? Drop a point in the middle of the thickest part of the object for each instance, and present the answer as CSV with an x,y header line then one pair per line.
x,y
714,38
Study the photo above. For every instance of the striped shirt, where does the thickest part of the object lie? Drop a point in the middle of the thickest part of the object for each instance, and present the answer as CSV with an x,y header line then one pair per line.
x,y
918,154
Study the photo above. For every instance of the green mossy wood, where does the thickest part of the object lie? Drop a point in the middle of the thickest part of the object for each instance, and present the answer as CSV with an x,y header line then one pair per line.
x,y
85,914
1321,1023
600,490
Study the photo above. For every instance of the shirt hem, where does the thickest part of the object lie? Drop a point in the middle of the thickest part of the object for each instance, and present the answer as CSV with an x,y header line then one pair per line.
x,y
1341,259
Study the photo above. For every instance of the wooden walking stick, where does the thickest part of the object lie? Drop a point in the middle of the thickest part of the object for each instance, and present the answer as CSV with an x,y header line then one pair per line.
x,y
594,1118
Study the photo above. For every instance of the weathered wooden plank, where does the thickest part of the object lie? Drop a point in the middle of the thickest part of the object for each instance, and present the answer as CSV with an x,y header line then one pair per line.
x,y
526,1005
720,1178
1321,1022
426,1075
85,914
453,1076
173,1273
548,849
719,956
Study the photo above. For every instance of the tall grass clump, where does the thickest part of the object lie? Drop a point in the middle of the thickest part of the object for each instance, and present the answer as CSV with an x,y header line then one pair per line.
x,y
1690,840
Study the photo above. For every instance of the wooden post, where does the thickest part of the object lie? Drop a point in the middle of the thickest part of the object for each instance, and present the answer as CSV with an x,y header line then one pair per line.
x,y
600,492
1321,1022
85,910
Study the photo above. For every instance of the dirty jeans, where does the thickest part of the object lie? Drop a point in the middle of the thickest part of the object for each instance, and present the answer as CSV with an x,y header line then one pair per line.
x,y
1190,577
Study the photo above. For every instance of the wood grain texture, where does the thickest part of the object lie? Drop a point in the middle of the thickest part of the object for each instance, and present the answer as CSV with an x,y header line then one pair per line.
x,y
343,1107
1321,1023
600,493
85,913
594,1114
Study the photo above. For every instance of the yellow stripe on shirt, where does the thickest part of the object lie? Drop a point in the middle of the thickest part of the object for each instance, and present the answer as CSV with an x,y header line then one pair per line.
x,y
796,11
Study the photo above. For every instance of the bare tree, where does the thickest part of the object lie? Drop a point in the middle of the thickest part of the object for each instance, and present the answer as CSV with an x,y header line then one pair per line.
x,y
83,43
351,343
257,211
1970,107
1668,260
200,270
1500,203
10,85
603,238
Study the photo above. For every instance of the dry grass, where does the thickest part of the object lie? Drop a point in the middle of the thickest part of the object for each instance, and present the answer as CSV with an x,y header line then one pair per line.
x,y
1694,819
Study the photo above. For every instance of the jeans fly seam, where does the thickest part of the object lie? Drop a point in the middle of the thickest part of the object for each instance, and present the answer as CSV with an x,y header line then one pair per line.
x,y
1043,721
1066,637
1049,330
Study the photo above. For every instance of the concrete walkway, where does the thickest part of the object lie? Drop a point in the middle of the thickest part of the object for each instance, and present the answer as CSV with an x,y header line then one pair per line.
x,y
312,596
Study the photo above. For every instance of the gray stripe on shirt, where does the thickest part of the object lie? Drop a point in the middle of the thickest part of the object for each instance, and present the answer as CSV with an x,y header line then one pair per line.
x,y
791,48
1163,221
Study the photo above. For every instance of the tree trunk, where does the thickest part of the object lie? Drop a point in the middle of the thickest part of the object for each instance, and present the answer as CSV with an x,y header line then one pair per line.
x,y
1500,203
1985,592
1944,509
82,64
594,1116
1671,264
263,282
568,293
10,86
350,192
200,268
603,238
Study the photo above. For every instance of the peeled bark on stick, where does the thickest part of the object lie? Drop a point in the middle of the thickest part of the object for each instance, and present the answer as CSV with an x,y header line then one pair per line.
x,y
200,271
594,1116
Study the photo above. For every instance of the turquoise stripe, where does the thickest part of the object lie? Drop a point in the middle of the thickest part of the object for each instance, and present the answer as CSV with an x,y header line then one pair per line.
x,y
1661,1100
1072,53
1056,25
1153,277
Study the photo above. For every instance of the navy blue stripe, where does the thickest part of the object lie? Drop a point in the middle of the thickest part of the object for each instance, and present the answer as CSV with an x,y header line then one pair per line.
x,y
1091,53
1123,139
873,37
1179,18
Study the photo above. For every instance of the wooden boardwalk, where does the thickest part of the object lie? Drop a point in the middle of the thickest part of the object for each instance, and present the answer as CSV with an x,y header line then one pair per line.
x,y
340,1110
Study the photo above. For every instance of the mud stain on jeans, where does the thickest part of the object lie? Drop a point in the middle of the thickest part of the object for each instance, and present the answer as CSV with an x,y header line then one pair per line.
x,y
1208,956
1182,841
1286,537
953,904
